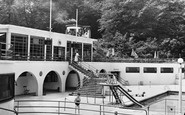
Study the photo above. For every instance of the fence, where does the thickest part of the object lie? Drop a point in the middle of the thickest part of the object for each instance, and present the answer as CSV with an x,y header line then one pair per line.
x,y
68,108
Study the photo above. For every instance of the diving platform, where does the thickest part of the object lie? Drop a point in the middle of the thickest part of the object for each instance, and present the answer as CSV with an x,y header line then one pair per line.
x,y
134,97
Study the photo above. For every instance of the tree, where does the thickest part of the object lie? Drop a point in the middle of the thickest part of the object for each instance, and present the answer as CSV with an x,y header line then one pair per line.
x,y
155,21
173,20
8,11
35,14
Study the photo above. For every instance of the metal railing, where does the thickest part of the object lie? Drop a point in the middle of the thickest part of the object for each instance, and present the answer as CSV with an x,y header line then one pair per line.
x,y
137,60
68,108
166,106
122,81
9,110
87,66
10,54
107,77
84,82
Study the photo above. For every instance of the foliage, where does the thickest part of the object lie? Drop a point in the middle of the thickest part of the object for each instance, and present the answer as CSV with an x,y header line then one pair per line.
x,y
151,24
35,14
99,52
143,25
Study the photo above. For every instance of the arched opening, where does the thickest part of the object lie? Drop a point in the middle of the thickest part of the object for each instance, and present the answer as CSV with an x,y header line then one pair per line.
x,y
26,84
102,71
72,81
52,83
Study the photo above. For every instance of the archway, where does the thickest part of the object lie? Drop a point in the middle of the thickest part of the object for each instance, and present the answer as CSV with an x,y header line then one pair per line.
x,y
52,83
102,71
72,81
26,84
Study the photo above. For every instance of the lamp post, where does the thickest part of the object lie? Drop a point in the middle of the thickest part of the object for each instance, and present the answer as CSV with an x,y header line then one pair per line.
x,y
180,61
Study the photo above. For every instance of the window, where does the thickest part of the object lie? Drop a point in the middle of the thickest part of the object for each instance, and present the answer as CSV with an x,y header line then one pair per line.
x,y
37,48
150,70
68,50
166,70
20,45
182,70
59,53
7,87
87,52
132,69
48,43
3,43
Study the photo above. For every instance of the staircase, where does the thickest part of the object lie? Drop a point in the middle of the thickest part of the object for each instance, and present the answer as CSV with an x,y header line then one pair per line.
x,y
91,86
91,89
81,68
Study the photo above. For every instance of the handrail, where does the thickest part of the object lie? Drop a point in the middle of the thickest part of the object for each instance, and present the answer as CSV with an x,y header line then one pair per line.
x,y
6,43
9,110
138,60
84,82
87,66
56,58
80,67
121,80
62,107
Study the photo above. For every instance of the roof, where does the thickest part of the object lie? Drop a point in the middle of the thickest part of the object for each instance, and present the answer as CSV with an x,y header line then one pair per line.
x,y
74,25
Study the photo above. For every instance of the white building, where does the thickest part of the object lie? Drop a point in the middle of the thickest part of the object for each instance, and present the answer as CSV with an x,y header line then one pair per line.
x,y
35,61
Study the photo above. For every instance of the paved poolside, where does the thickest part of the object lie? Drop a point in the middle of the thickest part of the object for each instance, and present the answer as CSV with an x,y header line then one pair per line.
x,y
151,90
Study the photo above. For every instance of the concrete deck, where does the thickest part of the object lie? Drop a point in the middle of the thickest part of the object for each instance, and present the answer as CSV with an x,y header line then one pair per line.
x,y
151,90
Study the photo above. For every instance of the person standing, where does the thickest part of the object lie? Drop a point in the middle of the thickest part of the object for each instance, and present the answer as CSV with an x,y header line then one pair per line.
x,y
76,57
77,103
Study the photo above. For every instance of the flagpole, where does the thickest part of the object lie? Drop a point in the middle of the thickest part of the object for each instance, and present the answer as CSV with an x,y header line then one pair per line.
x,y
50,15
76,21
50,28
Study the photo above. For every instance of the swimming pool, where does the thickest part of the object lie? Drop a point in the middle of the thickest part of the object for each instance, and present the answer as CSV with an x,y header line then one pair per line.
x,y
167,106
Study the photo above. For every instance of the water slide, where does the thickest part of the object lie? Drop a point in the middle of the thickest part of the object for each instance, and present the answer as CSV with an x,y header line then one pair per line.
x,y
118,87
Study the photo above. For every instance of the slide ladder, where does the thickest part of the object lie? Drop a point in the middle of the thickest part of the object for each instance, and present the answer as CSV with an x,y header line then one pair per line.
x,y
116,96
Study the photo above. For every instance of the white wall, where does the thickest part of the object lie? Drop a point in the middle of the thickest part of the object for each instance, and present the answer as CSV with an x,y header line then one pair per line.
x,y
6,67
35,67
147,78
35,82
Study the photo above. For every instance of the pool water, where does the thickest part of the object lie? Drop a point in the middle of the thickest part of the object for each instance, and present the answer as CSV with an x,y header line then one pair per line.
x,y
168,105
